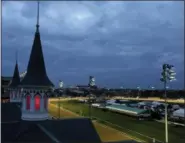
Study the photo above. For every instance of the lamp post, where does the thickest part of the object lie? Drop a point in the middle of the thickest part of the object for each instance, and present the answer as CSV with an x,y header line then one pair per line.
x,y
91,85
60,93
184,111
167,74
89,106
58,105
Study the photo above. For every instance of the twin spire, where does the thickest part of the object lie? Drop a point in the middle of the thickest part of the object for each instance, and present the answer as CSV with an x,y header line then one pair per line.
x,y
16,78
36,72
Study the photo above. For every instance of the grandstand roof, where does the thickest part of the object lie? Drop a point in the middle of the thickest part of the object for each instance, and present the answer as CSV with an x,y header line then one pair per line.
x,y
124,108
179,113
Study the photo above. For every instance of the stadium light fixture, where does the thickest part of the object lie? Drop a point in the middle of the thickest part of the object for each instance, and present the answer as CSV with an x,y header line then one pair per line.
x,y
168,74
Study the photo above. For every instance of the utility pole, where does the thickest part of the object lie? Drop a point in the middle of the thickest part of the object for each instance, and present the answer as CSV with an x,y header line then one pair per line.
x,y
89,106
60,92
184,110
166,114
91,84
167,74
58,106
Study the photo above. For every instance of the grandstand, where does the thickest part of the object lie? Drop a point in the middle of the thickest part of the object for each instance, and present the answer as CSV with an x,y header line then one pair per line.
x,y
129,110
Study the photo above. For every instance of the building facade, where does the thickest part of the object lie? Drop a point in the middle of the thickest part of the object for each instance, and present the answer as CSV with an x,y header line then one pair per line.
x,y
35,86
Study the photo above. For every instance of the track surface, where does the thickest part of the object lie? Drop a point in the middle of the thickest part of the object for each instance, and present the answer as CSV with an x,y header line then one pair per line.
x,y
106,133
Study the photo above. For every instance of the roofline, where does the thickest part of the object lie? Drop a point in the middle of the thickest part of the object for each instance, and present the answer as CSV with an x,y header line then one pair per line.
x,y
34,86
6,77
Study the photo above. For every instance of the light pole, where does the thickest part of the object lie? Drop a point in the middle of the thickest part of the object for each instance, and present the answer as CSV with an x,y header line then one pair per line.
x,y
184,111
59,106
91,85
60,92
89,106
167,74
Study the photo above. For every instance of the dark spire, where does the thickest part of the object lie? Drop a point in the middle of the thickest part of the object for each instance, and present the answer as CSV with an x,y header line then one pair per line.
x,y
36,72
16,78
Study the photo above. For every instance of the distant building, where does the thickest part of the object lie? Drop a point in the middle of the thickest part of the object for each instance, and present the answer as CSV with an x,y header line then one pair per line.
x,y
61,84
92,81
4,83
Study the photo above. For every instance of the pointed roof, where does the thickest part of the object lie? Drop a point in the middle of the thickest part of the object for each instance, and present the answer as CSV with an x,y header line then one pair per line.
x,y
16,78
36,72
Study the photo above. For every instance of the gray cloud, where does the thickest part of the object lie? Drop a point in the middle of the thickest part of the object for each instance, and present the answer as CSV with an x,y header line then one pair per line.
x,y
117,42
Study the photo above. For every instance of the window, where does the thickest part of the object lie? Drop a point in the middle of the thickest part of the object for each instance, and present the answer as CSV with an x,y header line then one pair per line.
x,y
37,102
28,99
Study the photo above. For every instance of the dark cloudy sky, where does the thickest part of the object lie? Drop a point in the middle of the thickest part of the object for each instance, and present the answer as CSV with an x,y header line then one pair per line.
x,y
120,43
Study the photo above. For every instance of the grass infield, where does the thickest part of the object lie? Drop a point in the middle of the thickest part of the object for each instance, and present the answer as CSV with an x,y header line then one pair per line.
x,y
106,133
144,130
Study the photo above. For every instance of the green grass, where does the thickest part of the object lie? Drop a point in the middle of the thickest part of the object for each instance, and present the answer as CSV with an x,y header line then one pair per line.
x,y
149,128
